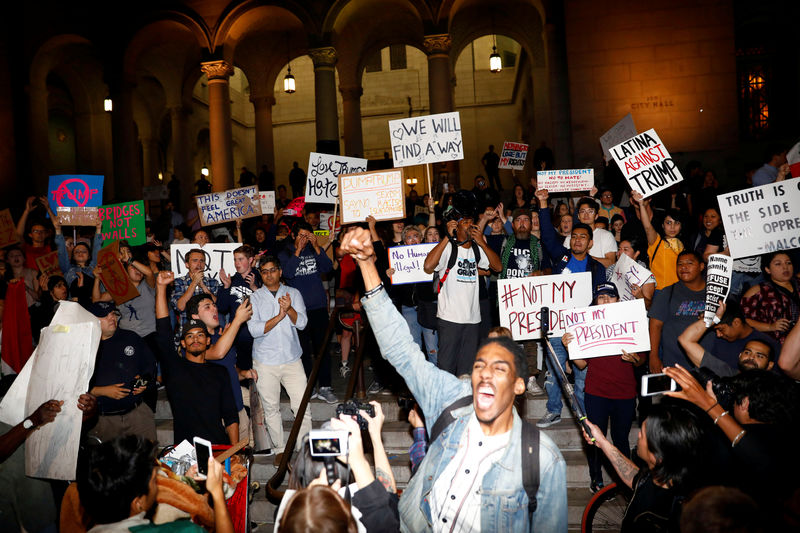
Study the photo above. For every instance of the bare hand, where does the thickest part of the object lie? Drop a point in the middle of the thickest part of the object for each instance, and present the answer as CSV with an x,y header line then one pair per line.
x,y
692,390
197,278
390,272
358,243
285,302
414,418
244,312
117,391
322,480
781,324
374,423
46,412
631,357
371,221
593,191
250,278
165,277
596,433
566,338
355,445
214,478
88,404
224,278
79,276
542,195
248,374
29,203
452,226
97,271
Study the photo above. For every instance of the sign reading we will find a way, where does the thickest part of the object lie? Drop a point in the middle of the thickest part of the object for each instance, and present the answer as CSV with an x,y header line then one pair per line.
x,y
427,139
646,164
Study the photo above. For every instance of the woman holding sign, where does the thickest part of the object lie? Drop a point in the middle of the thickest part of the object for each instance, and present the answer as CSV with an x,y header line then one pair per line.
x,y
663,249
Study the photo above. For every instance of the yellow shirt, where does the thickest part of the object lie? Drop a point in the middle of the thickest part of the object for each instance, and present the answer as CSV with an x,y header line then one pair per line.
x,y
663,260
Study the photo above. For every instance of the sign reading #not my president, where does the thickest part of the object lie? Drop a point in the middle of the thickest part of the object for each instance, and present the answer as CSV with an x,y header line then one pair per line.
x,y
378,193
407,262
646,164
225,206
580,179
217,255
513,155
426,139
602,330
762,219
322,182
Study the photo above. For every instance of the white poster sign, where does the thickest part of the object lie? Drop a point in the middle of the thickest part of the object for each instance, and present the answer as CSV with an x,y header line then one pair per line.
x,y
628,273
521,300
378,193
619,132
326,221
602,330
426,139
646,164
580,179
218,255
322,182
762,219
225,206
718,284
266,200
407,262
513,156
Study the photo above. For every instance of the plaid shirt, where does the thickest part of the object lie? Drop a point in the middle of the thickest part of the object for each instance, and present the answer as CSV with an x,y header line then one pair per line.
x,y
182,285
770,304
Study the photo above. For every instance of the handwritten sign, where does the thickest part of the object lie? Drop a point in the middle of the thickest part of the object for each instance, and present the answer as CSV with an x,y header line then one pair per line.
x,y
602,330
48,264
378,193
77,216
322,182
123,222
8,230
327,222
619,132
718,284
68,190
762,219
426,139
646,164
407,262
581,179
628,273
114,276
513,155
521,301
218,255
219,207
155,192
266,200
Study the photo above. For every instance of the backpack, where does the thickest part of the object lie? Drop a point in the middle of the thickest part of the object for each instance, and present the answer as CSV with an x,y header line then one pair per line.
x,y
529,448
452,261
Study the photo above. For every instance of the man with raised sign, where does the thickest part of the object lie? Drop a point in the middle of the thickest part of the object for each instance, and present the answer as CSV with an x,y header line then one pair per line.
x,y
194,282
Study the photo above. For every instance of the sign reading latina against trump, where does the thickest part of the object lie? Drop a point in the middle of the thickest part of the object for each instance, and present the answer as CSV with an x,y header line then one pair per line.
x,y
426,139
646,164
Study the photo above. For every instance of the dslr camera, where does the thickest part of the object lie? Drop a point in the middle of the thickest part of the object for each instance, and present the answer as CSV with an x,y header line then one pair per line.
x,y
352,408
723,387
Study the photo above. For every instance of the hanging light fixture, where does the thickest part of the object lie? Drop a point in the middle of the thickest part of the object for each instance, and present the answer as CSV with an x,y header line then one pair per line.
x,y
108,105
495,61
204,170
288,82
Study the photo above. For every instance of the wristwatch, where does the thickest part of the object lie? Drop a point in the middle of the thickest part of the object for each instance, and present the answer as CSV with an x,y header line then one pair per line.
x,y
28,423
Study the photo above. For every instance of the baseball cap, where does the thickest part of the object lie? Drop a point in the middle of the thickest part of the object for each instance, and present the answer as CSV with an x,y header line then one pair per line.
x,y
521,211
606,288
191,324
101,309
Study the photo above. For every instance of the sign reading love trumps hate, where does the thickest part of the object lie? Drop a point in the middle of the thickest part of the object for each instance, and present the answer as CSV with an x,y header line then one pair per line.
x,y
426,139
646,164
513,156
219,207
70,190
521,301
408,261
322,182
602,330
123,221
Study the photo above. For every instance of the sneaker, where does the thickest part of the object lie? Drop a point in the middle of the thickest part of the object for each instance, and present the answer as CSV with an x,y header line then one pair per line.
x,y
344,369
596,486
326,395
533,387
266,452
548,420
375,388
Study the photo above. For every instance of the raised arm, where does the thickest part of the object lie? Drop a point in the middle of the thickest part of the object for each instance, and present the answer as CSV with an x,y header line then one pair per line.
x,y
646,216
433,257
165,277
223,345
625,468
690,341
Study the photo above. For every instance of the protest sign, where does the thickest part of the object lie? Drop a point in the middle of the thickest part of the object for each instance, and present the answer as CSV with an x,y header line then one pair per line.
x,y
513,155
67,190
521,300
580,179
378,193
646,164
793,159
718,284
123,221
762,219
77,216
426,139
155,192
626,274
326,221
602,330
115,276
218,255
8,230
48,264
407,262
266,200
219,207
619,132
322,182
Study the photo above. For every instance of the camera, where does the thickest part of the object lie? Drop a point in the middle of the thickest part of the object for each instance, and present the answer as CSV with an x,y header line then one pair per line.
x,y
406,403
328,442
352,408
722,387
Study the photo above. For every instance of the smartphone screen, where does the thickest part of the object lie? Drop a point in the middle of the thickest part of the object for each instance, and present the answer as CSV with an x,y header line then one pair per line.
x,y
657,384
202,449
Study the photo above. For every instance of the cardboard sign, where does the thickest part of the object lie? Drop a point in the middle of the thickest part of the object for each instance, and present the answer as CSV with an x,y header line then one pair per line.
x,y
326,221
67,190
8,230
646,164
580,179
266,200
48,264
155,192
521,301
762,219
123,222
77,216
407,262
619,132
718,284
322,181
114,276
426,139
378,193
513,155
226,206
218,255
627,273
602,330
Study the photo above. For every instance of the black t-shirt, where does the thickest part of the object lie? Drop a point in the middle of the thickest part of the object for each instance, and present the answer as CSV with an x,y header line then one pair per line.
x,y
200,394
652,509
520,264
120,359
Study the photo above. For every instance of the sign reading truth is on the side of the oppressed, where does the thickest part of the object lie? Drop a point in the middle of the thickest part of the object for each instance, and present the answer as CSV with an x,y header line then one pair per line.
x,y
123,221
408,261
646,164
378,193
580,179
602,330
513,155
426,139
219,207
762,219
322,182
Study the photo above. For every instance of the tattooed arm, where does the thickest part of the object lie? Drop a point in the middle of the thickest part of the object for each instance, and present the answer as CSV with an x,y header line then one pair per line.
x,y
383,470
625,468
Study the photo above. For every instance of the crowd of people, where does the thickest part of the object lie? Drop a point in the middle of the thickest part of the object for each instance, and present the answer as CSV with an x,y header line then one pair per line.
x,y
206,336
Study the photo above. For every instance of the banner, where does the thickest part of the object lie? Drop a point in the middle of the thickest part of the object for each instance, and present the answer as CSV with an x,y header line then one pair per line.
x,y
8,230
426,139
220,207
627,273
602,330
580,179
513,155
78,216
762,219
646,164
48,264
155,192
67,190
378,193
218,255
266,200
408,261
322,181
123,221
520,301
114,276
619,132
718,284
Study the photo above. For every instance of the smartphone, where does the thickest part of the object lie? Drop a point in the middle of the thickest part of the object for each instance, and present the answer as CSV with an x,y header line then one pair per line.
x,y
202,450
653,384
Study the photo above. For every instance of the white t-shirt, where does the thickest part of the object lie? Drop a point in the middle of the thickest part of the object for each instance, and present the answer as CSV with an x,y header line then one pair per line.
x,y
458,299
603,241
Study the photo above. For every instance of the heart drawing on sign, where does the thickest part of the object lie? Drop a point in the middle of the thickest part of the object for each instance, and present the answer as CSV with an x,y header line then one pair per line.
x,y
398,134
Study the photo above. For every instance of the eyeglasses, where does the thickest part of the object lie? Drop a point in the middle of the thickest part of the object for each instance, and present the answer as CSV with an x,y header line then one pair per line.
x,y
586,211
38,231
269,270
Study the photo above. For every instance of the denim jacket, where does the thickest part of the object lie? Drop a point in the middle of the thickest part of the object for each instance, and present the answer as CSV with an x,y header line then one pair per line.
x,y
503,499
71,270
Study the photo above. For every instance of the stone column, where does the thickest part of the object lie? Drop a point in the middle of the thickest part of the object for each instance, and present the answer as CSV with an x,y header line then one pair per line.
x,y
38,139
181,154
560,118
440,69
351,114
265,147
219,123
327,114
127,180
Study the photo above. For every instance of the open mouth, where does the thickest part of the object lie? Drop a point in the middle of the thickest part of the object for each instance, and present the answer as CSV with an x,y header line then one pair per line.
x,y
485,396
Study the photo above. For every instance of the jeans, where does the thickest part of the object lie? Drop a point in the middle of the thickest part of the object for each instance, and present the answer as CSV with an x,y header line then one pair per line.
x,y
553,387
410,314
621,412
431,338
